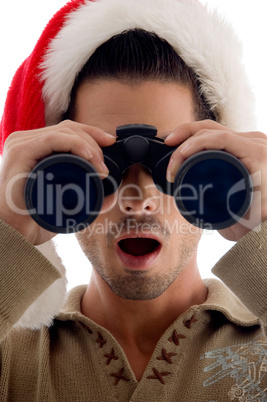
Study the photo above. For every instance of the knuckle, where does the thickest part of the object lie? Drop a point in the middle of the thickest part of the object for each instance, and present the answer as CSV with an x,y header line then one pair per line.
x,y
67,126
224,137
12,137
209,122
224,141
13,152
47,138
65,123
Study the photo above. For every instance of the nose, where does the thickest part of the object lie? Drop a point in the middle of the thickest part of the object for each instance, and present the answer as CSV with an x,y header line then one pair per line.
x,y
138,193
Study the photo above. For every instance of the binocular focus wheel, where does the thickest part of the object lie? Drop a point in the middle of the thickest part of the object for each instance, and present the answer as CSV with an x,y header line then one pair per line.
x,y
213,190
64,193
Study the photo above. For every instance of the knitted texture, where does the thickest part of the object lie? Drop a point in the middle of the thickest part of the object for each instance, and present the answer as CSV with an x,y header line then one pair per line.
x,y
204,355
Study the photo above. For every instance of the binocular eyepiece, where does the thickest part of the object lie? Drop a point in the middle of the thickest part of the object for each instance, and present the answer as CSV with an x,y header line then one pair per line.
x,y
212,189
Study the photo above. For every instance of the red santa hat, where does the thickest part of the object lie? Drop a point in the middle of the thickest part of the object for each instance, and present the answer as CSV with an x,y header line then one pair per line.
x,y
40,91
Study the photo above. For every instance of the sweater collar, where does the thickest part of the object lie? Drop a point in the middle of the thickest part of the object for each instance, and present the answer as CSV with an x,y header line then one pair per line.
x,y
220,298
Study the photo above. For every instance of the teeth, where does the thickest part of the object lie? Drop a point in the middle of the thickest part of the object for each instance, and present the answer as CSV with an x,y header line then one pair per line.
x,y
138,246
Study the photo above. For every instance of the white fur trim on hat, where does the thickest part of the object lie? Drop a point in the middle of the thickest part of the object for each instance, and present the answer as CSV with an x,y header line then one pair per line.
x,y
202,38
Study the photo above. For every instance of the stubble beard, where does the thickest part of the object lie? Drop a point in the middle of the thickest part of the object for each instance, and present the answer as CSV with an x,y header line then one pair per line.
x,y
142,285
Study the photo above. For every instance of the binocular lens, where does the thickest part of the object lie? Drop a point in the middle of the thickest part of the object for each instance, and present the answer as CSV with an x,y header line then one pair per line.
x,y
64,193
213,190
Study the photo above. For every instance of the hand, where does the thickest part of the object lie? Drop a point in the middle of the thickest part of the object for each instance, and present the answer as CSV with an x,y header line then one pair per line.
x,y
250,148
21,153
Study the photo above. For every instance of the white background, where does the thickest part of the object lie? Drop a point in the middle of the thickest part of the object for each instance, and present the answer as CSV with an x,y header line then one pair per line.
x,y
21,23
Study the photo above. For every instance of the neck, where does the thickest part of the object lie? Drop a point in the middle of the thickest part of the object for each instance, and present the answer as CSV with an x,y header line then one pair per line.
x,y
140,324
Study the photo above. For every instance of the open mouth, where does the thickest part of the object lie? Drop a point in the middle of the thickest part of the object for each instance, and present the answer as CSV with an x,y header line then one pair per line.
x,y
139,246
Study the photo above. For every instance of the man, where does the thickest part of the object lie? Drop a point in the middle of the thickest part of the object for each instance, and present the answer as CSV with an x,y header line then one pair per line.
x,y
146,328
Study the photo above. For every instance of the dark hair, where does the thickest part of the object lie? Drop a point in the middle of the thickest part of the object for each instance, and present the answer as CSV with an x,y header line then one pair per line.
x,y
137,55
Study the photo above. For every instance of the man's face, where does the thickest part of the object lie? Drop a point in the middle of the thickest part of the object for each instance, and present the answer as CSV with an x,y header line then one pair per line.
x,y
141,244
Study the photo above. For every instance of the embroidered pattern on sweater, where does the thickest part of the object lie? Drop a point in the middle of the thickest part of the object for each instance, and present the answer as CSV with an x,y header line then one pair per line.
x,y
165,355
101,340
119,376
246,364
158,376
110,356
86,328
175,338
188,323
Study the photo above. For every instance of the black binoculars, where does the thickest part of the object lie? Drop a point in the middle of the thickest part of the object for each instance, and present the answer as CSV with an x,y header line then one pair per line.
x,y
212,189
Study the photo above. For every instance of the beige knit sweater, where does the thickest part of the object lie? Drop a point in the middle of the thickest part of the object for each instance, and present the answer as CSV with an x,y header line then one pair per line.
x,y
213,352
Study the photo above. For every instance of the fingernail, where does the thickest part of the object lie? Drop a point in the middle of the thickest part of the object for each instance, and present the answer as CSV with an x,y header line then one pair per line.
x,y
109,135
170,137
104,168
89,154
170,177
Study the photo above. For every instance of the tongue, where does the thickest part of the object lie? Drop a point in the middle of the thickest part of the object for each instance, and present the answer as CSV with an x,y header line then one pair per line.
x,y
138,246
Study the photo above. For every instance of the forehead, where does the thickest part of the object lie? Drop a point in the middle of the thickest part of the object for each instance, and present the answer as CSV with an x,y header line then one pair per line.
x,y
110,103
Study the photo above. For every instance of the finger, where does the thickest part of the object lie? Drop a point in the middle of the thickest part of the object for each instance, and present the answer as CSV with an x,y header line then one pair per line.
x,y
67,136
238,145
187,130
253,135
102,138
31,150
69,128
175,162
